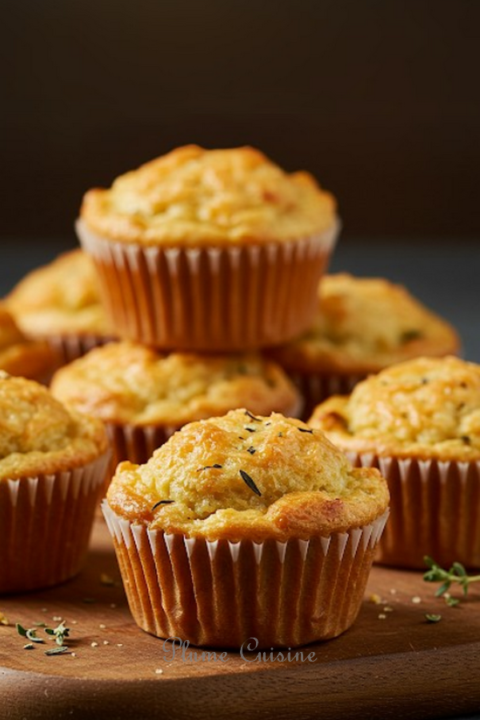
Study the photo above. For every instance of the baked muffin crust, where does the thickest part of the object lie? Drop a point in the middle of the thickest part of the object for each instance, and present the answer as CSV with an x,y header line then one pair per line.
x,y
38,435
364,325
129,383
425,408
220,197
61,297
245,477
20,356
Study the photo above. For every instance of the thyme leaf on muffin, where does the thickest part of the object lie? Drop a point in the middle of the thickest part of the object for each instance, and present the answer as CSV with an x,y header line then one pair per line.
x,y
249,429
249,481
215,466
247,412
252,450
306,430
456,574
162,502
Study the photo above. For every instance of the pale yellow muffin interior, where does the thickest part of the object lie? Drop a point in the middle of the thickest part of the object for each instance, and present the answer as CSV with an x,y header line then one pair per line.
x,y
425,408
60,298
129,383
38,435
240,476
18,354
364,325
197,196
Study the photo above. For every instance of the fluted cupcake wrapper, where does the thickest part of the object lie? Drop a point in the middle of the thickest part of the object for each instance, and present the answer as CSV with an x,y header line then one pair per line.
x,y
68,348
435,510
45,525
210,299
221,594
317,387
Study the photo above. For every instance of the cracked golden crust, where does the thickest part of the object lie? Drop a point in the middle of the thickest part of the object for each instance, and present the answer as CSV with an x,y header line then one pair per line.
x,y
39,436
424,408
60,298
364,325
21,356
129,383
306,487
212,197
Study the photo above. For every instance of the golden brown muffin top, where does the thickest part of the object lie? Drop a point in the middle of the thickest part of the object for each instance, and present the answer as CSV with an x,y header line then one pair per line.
x,y
20,356
364,325
61,297
246,477
423,408
196,196
128,383
39,436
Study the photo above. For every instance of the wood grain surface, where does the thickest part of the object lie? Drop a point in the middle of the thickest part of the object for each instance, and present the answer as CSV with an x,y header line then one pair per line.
x,y
391,664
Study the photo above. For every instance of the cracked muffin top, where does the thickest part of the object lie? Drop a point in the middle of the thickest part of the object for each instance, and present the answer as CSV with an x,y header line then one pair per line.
x,y
196,196
364,325
129,383
39,436
61,297
424,408
243,476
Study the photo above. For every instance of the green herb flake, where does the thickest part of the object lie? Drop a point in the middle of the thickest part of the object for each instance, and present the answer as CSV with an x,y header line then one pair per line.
x,y
29,646
32,636
249,481
21,630
432,618
60,650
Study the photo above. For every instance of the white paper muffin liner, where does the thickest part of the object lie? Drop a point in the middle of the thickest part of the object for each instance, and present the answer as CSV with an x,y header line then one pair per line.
x,y
221,594
210,299
45,525
434,510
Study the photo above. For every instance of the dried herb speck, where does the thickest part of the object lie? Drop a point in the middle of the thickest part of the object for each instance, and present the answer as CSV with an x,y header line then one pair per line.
x,y
251,450
247,412
216,466
249,429
57,650
248,481
162,502
306,430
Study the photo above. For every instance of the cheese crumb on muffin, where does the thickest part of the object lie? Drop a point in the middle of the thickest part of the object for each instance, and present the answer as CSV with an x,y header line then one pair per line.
x,y
364,325
195,196
18,354
61,297
130,383
38,435
246,477
425,408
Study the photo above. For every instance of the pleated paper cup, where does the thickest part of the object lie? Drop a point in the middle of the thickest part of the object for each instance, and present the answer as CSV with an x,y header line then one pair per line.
x,y
210,299
434,510
317,387
222,594
45,525
68,348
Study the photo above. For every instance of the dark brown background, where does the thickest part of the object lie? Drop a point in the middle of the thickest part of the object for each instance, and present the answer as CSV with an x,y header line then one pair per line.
x,y
379,99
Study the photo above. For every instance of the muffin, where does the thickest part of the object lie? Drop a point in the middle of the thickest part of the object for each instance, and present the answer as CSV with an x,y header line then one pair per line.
x,y
419,422
21,356
143,396
245,527
209,250
52,469
362,326
60,304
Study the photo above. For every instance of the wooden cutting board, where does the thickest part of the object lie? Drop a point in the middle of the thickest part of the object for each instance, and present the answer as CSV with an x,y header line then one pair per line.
x,y
391,664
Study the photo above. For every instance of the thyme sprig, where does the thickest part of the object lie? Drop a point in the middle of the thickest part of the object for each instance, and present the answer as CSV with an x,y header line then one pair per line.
x,y
456,574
